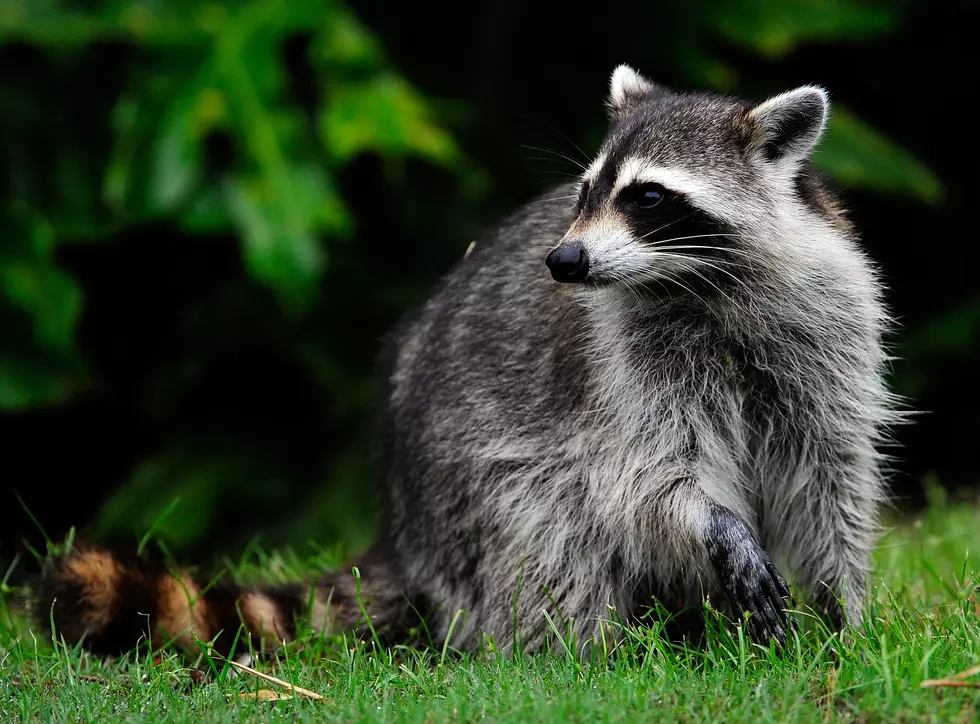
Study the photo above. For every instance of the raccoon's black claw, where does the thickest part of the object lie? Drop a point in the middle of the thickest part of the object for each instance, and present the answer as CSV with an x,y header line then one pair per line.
x,y
764,595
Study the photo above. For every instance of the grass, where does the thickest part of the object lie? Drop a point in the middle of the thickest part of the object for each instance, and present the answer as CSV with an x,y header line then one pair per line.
x,y
924,623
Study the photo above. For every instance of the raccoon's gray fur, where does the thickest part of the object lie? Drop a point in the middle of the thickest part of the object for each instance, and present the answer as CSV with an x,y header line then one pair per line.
x,y
702,397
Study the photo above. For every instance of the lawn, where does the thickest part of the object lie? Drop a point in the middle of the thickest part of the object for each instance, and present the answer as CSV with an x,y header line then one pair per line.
x,y
924,624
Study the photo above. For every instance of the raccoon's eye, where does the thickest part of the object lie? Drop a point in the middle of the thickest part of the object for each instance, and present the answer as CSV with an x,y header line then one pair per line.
x,y
582,194
645,196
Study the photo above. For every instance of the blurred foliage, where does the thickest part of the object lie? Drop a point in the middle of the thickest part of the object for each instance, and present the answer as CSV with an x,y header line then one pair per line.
x,y
202,74
204,123
776,28
38,361
953,334
217,67
856,155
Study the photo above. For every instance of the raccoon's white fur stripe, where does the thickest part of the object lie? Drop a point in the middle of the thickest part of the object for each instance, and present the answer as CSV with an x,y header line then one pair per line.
x,y
638,170
594,168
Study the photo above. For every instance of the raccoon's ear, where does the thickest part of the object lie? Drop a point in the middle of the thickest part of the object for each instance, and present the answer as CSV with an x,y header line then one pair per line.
x,y
626,89
786,128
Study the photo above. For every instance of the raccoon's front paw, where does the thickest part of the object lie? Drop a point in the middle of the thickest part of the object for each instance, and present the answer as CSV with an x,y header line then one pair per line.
x,y
756,587
748,576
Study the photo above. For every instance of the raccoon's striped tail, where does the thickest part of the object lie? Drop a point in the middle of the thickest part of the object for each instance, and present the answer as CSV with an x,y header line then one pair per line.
x,y
113,603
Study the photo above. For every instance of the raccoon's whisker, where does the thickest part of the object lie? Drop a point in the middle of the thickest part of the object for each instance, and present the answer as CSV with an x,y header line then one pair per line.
x,y
669,223
630,288
556,153
551,170
727,262
694,270
685,246
551,198
578,148
637,277
688,289
715,248
549,159
621,273
684,238
552,173
705,262
736,263
660,283
691,266
555,129
675,280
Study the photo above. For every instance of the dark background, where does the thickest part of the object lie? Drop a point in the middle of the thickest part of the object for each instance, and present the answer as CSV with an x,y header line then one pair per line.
x,y
213,210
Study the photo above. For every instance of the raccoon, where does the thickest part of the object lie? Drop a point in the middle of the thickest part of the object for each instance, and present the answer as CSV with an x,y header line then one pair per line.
x,y
653,384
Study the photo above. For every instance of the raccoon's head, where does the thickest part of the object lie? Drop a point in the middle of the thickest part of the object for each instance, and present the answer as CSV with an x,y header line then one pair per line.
x,y
696,186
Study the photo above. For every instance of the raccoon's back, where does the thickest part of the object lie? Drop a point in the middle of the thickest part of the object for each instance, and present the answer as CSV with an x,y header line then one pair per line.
x,y
496,342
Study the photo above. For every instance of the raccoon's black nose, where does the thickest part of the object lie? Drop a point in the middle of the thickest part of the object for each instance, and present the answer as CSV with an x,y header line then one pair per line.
x,y
568,262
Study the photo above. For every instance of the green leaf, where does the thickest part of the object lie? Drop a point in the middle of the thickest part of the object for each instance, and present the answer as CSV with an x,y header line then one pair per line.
x,y
48,294
31,280
280,200
207,211
775,28
383,114
857,155
156,163
343,43
280,246
177,153
39,309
